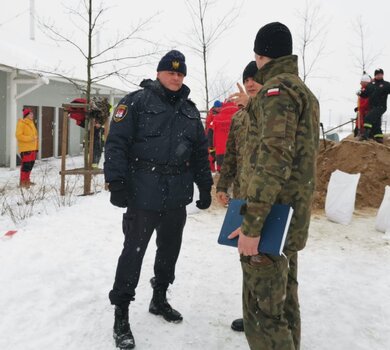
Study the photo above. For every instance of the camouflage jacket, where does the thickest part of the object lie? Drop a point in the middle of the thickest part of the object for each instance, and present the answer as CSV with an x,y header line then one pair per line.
x,y
232,162
282,145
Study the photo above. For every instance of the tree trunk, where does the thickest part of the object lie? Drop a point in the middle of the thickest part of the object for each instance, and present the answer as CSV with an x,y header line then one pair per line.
x,y
89,122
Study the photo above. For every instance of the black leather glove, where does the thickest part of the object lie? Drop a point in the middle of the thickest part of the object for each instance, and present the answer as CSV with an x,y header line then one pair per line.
x,y
118,195
204,198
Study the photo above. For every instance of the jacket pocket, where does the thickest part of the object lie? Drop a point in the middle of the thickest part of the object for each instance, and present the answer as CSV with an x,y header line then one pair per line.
x,y
152,121
190,113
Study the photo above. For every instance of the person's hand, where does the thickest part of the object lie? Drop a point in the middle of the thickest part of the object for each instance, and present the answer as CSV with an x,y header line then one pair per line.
x,y
119,199
118,194
247,246
223,198
204,198
240,98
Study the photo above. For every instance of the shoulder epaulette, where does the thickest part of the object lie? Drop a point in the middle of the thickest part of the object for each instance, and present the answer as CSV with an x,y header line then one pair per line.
x,y
191,102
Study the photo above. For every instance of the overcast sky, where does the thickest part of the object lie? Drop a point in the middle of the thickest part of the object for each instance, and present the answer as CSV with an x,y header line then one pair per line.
x,y
335,79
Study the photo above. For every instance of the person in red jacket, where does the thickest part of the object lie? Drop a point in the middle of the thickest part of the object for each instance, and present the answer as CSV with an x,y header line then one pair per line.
x,y
221,130
210,132
362,106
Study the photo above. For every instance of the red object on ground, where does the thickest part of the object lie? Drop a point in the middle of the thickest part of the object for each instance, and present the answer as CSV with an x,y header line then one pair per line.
x,y
10,233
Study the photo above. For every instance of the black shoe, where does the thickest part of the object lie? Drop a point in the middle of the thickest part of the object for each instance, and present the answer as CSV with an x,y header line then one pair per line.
x,y
238,325
160,306
122,333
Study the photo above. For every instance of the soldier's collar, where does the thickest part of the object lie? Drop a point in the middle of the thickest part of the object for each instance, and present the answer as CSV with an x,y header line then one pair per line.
x,y
285,64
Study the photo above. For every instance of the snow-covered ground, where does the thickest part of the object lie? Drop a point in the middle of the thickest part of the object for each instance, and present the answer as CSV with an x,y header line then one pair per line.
x,y
57,269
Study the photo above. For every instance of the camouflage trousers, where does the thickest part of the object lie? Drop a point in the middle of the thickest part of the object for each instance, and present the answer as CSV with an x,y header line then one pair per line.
x,y
270,302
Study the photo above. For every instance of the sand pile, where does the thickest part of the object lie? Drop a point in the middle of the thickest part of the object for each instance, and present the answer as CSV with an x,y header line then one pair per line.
x,y
370,159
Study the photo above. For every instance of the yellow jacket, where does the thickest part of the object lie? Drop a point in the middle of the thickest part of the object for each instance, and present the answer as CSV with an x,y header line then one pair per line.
x,y
27,135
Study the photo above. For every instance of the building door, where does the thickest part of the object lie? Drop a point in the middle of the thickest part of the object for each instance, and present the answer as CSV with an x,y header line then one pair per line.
x,y
47,129
60,129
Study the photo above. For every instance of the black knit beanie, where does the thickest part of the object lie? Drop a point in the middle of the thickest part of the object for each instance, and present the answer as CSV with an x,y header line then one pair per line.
x,y
273,40
249,71
173,61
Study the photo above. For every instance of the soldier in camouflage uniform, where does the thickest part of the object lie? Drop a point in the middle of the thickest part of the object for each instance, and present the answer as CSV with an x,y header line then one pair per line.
x,y
282,144
234,155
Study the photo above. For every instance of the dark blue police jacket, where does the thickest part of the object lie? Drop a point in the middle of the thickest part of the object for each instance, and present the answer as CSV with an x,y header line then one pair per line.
x,y
157,148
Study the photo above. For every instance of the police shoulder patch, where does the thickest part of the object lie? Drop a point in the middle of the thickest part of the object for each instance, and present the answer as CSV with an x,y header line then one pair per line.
x,y
120,113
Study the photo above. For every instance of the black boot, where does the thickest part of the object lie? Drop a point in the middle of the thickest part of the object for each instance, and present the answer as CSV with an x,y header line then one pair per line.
x,y
367,133
238,325
160,306
378,139
122,333
364,134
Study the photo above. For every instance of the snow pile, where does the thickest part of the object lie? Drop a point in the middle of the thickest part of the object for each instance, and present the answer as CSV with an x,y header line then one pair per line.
x,y
57,269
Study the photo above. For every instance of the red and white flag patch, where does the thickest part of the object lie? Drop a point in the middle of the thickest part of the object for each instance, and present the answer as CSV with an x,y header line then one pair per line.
x,y
273,92
120,113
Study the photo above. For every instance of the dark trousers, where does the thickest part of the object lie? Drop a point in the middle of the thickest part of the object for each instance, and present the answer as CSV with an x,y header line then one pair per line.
x,y
373,121
28,161
138,226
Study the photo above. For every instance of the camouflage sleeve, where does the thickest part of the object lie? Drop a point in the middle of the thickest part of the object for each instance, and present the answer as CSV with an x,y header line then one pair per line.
x,y
229,165
274,161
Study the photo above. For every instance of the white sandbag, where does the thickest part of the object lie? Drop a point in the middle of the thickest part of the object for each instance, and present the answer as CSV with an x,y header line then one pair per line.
x,y
382,222
340,199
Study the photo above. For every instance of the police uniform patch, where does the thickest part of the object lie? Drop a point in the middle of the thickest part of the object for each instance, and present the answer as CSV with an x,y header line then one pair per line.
x,y
273,92
120,113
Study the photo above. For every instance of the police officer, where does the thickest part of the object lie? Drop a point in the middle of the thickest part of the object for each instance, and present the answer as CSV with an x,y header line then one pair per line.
x,y
282,144
235,147
156,149
377,92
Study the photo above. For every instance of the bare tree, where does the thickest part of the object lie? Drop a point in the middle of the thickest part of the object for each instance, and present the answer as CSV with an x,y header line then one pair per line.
x,y
100,63
206,30
365,57
311,41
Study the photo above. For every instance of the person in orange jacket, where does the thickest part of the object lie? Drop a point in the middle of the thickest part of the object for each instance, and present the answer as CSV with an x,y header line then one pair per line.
x,y
27,137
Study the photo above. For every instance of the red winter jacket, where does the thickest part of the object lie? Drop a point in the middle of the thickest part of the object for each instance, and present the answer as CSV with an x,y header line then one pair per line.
x,y
363,106
221,124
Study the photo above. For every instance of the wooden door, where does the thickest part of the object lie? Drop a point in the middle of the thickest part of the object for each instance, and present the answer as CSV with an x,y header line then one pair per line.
x,y
60,127
47,129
